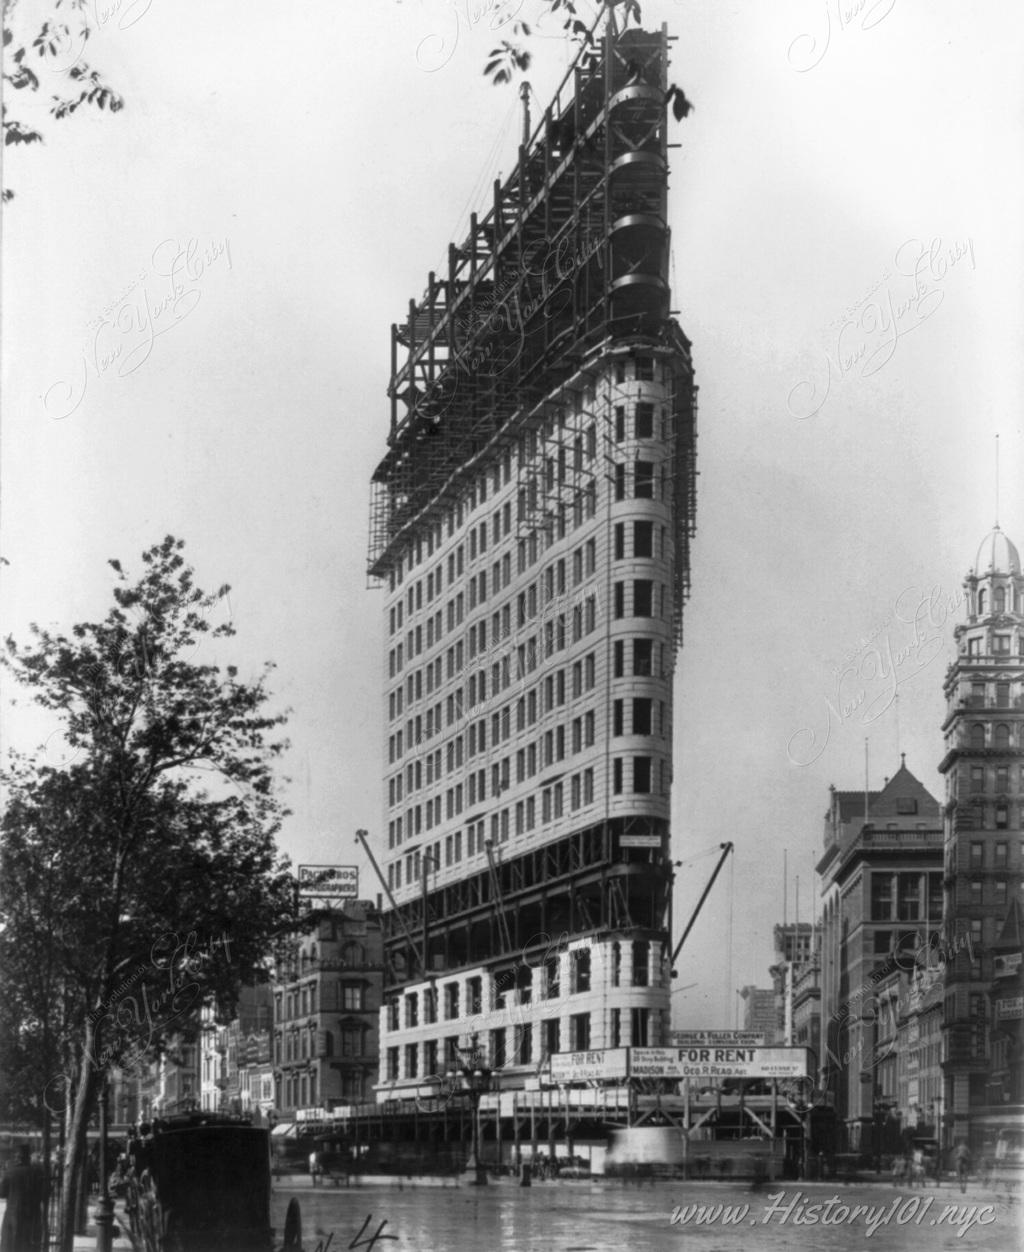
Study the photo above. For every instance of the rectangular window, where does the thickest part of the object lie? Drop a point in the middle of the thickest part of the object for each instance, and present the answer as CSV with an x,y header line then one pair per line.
x,y
645,421
909,897
643,480
642,774
580,970
643,597
620,541
579,1026
881,897
643,658
643,539
642,716
619,599
641,960
617,776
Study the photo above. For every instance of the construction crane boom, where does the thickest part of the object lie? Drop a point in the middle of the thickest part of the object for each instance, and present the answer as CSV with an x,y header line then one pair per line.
x,y
726,849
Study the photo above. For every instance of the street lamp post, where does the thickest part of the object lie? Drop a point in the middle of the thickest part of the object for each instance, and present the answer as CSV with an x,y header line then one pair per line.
x,y
476,1075
105,1206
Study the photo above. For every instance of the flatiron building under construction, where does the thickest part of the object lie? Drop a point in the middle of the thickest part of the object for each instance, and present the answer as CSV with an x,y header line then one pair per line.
x,y
530,524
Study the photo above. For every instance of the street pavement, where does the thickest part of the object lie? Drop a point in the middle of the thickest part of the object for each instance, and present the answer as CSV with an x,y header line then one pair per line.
x,y
610,1216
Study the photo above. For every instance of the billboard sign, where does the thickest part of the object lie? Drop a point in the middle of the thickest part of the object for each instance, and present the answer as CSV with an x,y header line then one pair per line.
x,y
640,841
322,886
718,1062
584,1066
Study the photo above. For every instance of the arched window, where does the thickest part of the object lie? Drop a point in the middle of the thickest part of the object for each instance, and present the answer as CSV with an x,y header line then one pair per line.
x,y
999,600
982,602
1002,736
977,735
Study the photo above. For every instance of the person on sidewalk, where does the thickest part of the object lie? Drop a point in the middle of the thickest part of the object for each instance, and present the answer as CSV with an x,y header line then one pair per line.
x,y
24,1189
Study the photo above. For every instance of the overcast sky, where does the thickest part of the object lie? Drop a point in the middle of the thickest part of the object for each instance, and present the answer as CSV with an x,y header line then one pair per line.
x,y
841,184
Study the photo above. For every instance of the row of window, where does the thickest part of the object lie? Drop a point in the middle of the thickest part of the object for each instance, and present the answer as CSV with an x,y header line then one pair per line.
x,y
647,660
1000,644
549,748
558,630
516,1045
1001,735
906,896
979,893
581,612
1000,854
1003,601
522,817
336,996
422,1007
641,368
552,527
642,480
547,696
646,599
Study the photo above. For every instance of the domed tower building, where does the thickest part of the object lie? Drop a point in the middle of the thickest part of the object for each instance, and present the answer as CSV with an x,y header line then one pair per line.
x,y
984,848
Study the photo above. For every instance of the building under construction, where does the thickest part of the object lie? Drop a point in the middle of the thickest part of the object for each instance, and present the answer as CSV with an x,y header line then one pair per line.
x,y
530,523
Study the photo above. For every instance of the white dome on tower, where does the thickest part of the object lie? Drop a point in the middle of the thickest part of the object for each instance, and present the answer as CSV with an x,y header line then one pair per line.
x,y
997,555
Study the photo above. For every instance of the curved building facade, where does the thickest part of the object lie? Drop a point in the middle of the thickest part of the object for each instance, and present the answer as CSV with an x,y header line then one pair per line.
x,y
531,527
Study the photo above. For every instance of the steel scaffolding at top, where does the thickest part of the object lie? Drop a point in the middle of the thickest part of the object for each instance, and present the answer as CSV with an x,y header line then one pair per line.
x,y
573,254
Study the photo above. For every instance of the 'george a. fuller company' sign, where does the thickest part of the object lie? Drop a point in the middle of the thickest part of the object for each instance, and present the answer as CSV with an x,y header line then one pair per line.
x,y
720,1038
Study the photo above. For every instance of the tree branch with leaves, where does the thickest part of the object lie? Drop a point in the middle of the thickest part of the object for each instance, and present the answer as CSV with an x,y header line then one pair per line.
x,y
53,47
163,825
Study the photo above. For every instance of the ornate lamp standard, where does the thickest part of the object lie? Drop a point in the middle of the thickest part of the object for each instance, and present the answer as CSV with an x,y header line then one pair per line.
x,y
476,1077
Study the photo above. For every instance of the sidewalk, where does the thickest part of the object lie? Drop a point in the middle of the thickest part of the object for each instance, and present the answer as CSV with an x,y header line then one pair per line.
x,y
87,1242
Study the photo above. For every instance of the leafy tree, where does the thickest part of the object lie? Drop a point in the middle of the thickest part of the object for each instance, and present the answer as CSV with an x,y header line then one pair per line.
x,y
512,55
162,826
55,46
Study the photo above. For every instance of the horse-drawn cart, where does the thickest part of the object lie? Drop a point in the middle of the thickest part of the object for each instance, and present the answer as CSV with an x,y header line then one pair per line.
x,y
201,1183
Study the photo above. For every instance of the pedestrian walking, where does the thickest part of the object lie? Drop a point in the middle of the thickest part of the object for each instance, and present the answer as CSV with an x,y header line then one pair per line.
x,y
315,1168
24,1189
963,1164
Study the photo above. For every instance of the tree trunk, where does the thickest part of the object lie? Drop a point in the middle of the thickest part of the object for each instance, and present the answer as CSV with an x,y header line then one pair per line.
x,y
75,1181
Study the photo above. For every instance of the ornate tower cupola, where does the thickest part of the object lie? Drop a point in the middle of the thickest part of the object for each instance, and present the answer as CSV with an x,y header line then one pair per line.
x,y
984,842
995,600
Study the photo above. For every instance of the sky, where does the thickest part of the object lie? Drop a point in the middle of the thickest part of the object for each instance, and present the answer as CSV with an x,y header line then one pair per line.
x,y
845,204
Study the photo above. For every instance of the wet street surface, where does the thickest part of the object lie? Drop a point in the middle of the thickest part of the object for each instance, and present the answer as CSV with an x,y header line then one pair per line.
x,y
583,1216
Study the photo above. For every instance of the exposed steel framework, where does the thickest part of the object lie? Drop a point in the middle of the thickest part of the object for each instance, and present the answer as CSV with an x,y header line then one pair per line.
x,y
572,255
